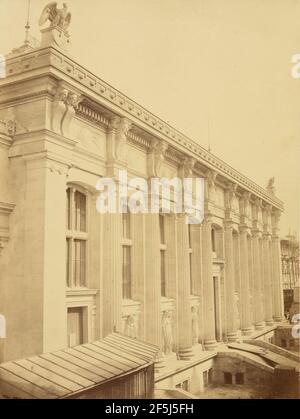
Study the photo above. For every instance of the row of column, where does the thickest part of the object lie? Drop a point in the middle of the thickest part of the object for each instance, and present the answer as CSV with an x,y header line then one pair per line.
x,y
266,284
265,287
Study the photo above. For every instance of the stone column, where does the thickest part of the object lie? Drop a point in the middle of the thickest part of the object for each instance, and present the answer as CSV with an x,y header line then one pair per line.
x,y
245,288
210,342
153,282
184,293
112,273
230,284
278,309
268,303
196,234
257,283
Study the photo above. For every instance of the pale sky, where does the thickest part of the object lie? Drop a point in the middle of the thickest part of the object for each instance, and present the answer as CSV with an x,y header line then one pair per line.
x,y
217,66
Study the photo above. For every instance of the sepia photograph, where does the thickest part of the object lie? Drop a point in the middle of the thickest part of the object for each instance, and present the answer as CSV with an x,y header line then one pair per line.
x,y
149,202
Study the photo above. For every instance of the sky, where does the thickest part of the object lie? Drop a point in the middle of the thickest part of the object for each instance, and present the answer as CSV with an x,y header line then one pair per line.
x,y
217,70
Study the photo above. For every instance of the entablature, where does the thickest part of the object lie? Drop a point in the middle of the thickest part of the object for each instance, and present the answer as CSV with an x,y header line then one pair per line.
x,y
55,63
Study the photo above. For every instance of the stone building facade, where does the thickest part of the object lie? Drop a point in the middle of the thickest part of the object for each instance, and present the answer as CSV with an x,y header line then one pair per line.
x,y
70,275
290,268
290,261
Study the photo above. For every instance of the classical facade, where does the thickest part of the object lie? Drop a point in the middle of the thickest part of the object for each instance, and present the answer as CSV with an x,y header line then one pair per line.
x,y
290,268
70,275
290,261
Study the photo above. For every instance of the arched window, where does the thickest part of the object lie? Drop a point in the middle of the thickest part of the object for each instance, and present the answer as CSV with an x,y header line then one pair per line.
x,y
76,241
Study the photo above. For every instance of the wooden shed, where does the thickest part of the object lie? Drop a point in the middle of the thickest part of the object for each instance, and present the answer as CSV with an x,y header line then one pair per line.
x,y
116,367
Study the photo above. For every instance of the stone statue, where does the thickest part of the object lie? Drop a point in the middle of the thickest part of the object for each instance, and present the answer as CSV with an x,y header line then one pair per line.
x,y
195,325
167,332
60,18
270,186
130,327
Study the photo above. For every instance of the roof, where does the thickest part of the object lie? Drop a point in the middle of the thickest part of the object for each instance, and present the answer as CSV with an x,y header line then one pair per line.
x,y
63,373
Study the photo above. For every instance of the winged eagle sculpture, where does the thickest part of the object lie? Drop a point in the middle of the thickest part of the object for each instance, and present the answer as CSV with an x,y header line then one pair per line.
x,y
60,18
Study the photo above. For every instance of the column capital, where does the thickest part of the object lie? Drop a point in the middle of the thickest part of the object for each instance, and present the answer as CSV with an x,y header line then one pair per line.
x,y
256,233
244,228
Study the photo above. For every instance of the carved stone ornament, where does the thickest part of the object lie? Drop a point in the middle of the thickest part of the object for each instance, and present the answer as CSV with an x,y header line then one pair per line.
x,y
211,176
187,167
63,110
167,332
270,186
57,33
58,18
231,194
124,126
156,157
131,327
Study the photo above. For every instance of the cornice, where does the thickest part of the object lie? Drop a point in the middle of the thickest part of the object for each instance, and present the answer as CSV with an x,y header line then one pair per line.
x,y
53,61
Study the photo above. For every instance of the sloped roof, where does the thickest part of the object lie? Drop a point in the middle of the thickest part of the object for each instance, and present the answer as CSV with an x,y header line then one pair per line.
x,y
62,373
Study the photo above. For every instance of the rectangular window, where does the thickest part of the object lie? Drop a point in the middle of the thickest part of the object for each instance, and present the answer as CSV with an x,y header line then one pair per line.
x,y
68,207
191,277
75,322
163,273
162,229
79,263
190,235
80,212
213,240
68,276
76,246
239,378
127,291
126,226
227,378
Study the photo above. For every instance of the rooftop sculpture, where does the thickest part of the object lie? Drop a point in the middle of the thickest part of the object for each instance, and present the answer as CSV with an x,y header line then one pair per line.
x,y
60,18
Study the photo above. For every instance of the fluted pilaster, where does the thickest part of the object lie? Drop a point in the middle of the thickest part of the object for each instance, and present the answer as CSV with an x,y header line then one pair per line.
x,y
245,288
210,342
257,283
278,309
230,284
112,275
153,281
268,303
184,292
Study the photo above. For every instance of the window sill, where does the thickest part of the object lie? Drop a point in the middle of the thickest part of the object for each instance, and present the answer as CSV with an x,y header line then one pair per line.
x,y
81,291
